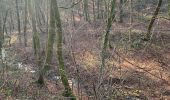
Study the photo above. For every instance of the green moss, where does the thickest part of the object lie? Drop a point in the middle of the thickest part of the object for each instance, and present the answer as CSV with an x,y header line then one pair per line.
x,y
68,91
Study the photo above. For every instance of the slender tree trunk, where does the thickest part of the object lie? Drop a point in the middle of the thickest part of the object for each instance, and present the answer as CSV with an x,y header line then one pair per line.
x,y
18,21
72,14
36,42
169,7
121,11
131,10
47,18
25,23
98,8
42,15
35,36
94,12
1,34
68,92
86,13
106,2
49,48
12,21
106,39
131,19
4,23
153,20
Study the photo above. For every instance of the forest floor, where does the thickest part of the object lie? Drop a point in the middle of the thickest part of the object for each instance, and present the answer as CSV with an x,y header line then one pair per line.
x,y
136,69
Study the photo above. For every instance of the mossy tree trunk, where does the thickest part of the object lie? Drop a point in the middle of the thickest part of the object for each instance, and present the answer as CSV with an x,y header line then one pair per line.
x,y
106,39
68,92
49,47
148,35
35,36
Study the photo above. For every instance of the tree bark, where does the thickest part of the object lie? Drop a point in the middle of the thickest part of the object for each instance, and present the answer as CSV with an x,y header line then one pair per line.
x,y
169,7
98,8
1,34
68,92
148,35
106,39
35,36
49,48
86,13
121,11
25,23
94,12
131,18
18,21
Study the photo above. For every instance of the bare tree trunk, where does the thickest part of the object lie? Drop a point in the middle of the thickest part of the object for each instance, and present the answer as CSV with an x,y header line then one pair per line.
x,y
36,44
49,48
12,21
25,23
131,19
121,11
106,40
1,34
4,23
42,16
94,12
153,20
86,13
18,20
169,7
35,36
47,18
98,8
